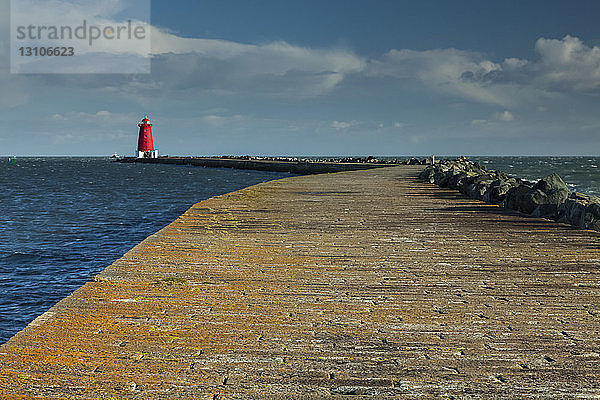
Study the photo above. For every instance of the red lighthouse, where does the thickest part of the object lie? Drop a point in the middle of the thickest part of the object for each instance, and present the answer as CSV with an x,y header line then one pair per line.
x,y
145,142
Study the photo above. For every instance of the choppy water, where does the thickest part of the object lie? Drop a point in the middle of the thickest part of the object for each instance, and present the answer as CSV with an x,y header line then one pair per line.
x,y
582,174
63,220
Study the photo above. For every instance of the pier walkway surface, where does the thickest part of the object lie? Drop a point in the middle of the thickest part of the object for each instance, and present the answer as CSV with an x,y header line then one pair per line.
x,y
347,285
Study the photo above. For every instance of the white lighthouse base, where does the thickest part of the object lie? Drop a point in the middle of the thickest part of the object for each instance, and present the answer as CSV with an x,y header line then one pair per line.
x,y
147,154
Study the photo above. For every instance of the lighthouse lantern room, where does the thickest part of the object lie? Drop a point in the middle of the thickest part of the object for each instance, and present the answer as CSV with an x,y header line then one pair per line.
x,y
145,143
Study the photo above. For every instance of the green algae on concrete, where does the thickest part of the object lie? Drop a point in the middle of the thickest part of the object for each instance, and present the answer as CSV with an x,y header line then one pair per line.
x,y
363,283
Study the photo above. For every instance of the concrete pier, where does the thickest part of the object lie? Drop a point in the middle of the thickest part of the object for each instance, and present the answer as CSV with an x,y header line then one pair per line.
x,y
294,167
364,283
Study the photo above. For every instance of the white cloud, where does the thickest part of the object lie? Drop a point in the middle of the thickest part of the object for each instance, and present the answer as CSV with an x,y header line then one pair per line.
x,y
566,65
283,70
214,120
343,125
79,24
218,121
102,116
276,68
448,70
563,66
77,15
226,68
504,116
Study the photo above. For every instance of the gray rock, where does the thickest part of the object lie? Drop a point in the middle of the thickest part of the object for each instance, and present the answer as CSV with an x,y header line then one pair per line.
x,y
549,211
581,210
572,211
550,190
427,175
554,189
593,210
519,198
441,176
479,189
463,182
498,190
455,178
471,185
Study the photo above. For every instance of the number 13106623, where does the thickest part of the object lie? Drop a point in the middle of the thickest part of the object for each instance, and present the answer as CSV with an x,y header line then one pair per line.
x,y
46,51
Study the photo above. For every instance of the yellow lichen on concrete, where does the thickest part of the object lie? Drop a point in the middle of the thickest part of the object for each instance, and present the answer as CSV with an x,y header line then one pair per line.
x,y
363,283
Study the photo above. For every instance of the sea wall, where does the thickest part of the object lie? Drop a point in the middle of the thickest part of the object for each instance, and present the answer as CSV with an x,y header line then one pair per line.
x,y
548,198
293,165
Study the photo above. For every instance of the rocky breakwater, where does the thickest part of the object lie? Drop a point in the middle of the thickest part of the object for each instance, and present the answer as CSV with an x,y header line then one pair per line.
x,y
548,198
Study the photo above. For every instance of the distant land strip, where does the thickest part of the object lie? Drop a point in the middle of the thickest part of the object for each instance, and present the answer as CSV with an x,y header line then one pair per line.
x,y
299,166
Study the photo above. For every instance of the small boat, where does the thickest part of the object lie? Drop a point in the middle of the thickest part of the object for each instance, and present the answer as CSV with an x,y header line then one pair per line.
x,y
115,156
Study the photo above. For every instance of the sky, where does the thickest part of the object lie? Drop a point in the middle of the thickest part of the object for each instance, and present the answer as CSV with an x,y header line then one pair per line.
x,y
282,77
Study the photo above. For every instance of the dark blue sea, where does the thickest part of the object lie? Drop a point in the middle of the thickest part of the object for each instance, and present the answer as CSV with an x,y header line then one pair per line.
x,y
63,220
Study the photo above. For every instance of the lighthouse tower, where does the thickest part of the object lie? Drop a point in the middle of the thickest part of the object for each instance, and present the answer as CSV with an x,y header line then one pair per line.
x,y
145,143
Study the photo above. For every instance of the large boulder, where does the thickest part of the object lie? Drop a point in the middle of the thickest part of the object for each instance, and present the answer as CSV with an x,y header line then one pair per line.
x,y
519,198
593,216
455,178
464,181
498,189
572,211
549,211
442,175
479,189
476,185
427,175
554,188
544,197
581,210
